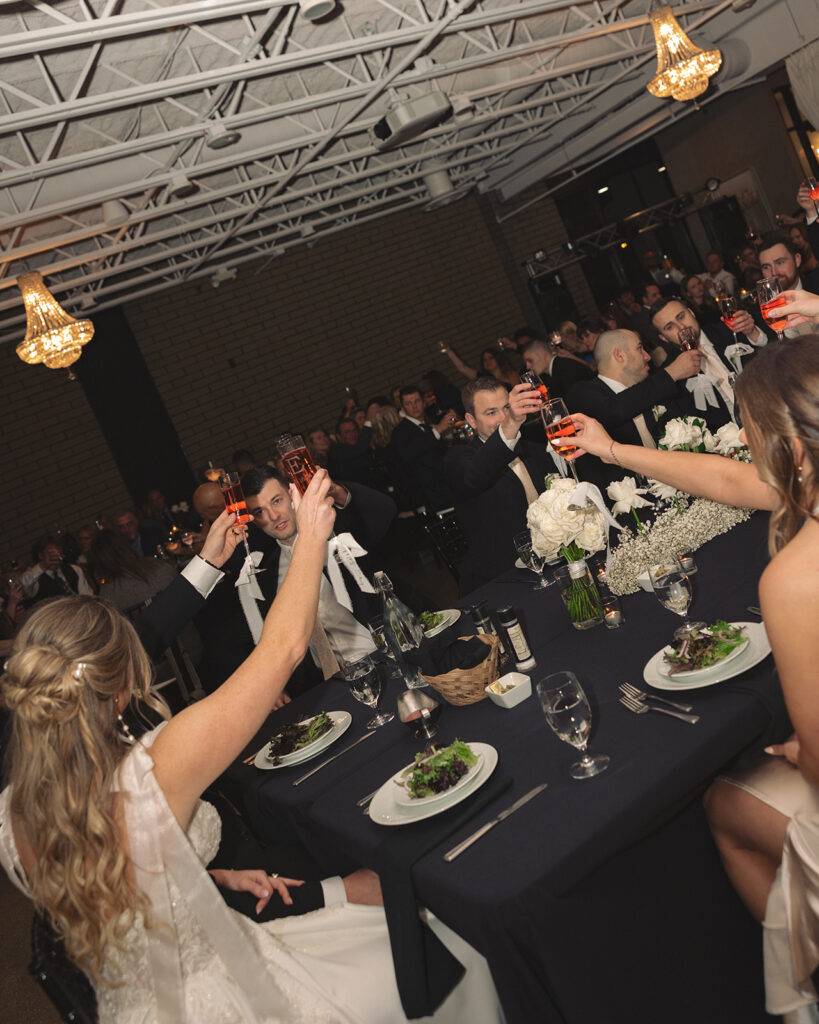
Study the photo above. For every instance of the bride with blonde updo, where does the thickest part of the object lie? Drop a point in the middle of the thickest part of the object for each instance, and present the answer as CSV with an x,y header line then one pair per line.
x,y
110,839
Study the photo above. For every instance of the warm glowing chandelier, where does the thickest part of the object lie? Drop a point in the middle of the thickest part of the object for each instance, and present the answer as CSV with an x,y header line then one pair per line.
x,y
683,69
52,336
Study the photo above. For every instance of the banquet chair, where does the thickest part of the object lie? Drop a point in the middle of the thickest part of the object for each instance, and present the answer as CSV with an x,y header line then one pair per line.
x,y
448,541
62,981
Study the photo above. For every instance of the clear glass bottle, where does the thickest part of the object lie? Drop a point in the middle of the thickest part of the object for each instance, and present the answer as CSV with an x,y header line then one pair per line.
x,y
402,630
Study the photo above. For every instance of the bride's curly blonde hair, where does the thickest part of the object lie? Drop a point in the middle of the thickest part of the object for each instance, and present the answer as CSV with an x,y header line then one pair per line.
x,y
778,394
69,661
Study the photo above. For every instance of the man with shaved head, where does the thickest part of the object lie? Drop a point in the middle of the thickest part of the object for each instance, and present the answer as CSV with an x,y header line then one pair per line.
x,y
631,403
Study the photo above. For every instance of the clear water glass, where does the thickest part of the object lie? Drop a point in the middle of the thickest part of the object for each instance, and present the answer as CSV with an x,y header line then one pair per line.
x,y
568,714
533,561
673,589
364,681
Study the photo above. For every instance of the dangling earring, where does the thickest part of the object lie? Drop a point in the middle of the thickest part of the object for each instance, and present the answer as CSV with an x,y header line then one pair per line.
x,y
799,474
124,731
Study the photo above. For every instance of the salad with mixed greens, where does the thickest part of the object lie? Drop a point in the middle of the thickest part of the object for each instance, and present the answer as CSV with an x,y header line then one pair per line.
x,y
298,735
429,620
702,648
437,769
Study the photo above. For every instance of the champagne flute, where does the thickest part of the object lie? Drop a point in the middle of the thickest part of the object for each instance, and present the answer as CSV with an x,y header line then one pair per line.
x,y
672,587
769,293
559,427
535,382
235,503
526,553
814,192
214,473
567,711
364,681
689,338
729,308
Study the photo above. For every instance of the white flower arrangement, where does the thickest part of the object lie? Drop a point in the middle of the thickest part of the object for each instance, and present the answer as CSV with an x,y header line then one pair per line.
x,y
626,495
687,434
555,526
675,531
659,411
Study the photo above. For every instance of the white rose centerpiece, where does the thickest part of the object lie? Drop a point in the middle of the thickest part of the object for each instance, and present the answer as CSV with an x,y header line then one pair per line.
x,y
687,434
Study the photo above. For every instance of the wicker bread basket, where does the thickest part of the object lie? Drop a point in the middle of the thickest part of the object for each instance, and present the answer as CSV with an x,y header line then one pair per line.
x,y
466,685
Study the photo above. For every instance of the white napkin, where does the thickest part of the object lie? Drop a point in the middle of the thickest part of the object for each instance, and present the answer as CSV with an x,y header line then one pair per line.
x,y
735,352
249,594
701,387
345,548
585,494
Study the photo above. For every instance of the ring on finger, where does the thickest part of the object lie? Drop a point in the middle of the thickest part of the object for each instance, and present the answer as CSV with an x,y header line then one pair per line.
x,y
274,875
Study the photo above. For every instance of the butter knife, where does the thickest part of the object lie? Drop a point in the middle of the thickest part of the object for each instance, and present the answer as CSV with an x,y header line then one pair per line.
x,y
456,851
318,767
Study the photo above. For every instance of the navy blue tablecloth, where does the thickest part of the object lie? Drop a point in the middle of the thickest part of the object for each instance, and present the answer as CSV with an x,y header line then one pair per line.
x,y
602,900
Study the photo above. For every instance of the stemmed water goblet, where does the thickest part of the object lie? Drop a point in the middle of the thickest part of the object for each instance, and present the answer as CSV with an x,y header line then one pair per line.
x,y
568,714
364,681
672,586
533,561
769,294
559,428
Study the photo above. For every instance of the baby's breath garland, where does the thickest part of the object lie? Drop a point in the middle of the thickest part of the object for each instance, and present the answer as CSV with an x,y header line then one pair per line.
x,y
682,528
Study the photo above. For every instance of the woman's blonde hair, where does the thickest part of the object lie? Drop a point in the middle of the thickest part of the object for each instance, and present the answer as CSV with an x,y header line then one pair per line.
x,y
69,661
778,394
385,420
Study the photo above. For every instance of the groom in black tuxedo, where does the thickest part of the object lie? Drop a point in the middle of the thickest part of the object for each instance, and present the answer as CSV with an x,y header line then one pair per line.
x,y
227,633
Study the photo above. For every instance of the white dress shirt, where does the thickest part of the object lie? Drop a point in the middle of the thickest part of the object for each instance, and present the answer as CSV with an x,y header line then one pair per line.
x,y
29,578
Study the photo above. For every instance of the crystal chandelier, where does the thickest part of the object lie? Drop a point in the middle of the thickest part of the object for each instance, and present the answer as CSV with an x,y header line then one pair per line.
x,y
52,336
683,69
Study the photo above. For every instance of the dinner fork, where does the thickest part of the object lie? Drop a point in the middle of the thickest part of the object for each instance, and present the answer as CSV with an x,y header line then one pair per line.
x,y
632,691
640,709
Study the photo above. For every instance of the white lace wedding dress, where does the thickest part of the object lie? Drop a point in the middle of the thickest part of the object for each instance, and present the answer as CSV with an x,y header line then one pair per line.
x,y
209,965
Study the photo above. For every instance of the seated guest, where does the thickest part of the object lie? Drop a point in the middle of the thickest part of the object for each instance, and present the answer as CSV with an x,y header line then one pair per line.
x,y
765,818
350,458
144,538
124,578
318,442
50,576
589,330
385,463
798,234
568,338
624,395
716,278
704,305
665,275
243,460
157,512
671,317
231,621
649,293
779,258
85,535
557,373
493,362
419,451
495,477
374,404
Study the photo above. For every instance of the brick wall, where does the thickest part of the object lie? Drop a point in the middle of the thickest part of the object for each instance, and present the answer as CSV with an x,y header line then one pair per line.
x,y
56,466
363,308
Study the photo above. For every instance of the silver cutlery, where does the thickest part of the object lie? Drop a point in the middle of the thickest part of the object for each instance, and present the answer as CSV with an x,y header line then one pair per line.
x,y
632,691
456,851
639,708
318,767
366,799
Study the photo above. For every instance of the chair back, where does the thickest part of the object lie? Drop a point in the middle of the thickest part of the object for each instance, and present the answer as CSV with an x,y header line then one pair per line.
x,y
63,982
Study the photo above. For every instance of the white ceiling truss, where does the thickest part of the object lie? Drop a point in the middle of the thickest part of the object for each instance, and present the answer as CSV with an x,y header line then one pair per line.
x,y
110,99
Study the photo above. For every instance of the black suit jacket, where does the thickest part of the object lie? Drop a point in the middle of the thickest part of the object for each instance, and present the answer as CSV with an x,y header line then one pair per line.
x,y
565,373
420,455
491,503
225,634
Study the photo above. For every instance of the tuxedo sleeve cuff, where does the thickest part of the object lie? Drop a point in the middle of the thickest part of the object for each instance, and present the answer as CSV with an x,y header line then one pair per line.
x,y
334,891
437,435
201,575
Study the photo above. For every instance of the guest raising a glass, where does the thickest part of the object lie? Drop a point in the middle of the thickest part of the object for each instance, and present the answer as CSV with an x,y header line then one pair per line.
x,y
766,821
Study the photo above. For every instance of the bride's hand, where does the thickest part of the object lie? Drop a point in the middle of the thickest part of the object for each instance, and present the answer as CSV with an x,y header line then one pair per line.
x,y
800,307
257,883
591,436
789,750
314,509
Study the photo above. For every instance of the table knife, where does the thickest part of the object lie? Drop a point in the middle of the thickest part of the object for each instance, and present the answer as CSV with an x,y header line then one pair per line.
x,y
318,767
456,851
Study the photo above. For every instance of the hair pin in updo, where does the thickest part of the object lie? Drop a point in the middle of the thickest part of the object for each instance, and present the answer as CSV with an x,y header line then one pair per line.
x,y
79,670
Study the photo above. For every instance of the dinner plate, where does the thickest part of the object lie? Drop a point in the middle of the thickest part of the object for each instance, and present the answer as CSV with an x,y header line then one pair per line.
x,y
403,799
385,811
341,723
450,615
756,650
691,674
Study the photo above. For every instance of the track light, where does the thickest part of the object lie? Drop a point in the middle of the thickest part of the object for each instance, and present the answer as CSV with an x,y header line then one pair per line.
x,y
180,186
315,10
219,137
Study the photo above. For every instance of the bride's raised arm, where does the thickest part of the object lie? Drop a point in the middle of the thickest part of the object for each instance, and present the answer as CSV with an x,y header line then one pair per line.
x,y
199,743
